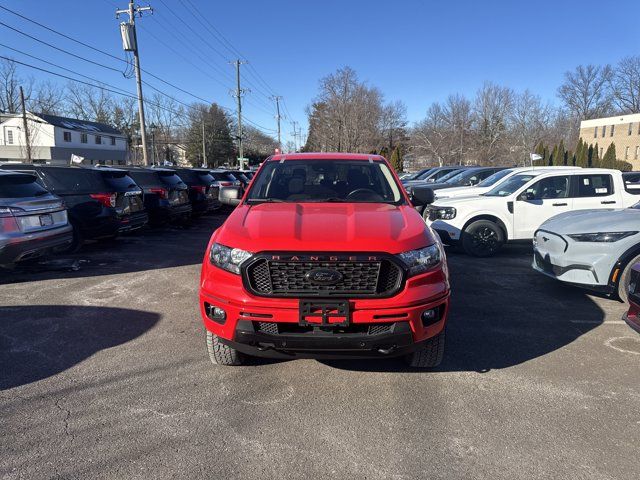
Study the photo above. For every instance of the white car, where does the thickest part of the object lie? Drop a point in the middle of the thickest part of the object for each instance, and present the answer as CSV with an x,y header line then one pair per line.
x,y
514,209
490,182
591,248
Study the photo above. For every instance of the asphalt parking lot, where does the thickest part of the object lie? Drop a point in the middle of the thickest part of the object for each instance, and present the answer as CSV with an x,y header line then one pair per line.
x,y
104,374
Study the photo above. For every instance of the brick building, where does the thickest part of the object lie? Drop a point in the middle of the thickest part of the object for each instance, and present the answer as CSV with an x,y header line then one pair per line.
x,y
622,130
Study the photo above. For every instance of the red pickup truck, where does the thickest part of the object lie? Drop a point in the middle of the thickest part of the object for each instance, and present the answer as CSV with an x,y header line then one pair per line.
x,y
325,257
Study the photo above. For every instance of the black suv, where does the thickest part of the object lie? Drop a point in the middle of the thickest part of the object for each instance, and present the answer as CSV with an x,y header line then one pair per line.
x,y
203,189
166,196
101,202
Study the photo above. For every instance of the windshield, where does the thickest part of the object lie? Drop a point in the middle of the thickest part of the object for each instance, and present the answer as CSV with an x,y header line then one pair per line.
x,y
420,176
509,186
451,174
461,178
20,186
495,178
325,181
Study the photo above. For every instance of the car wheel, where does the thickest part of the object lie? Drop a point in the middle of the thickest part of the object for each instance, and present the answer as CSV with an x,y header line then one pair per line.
x,y
624,278
221,354
483,238
429,354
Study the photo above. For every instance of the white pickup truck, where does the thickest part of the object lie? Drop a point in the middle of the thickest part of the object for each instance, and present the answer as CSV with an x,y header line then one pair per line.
x,y
515,208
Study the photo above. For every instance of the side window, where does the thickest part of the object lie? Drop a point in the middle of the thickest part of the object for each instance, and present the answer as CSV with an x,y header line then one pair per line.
x,y
547,188
595,185
486,174
441,174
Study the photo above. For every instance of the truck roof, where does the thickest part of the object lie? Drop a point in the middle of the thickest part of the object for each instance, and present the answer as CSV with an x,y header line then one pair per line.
x,y
324,156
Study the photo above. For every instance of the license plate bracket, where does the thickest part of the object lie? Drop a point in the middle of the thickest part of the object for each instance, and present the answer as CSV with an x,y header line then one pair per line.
x,y
46,220
324,313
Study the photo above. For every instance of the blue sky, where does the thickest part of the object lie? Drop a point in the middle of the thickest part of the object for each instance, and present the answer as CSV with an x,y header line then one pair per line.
x,y
414,51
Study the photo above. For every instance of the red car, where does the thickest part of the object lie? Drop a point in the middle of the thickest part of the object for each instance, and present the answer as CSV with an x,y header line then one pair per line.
x,y
633,315
325,257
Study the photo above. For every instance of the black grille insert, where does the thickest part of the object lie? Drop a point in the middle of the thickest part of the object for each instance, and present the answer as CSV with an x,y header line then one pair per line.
x,y
281,278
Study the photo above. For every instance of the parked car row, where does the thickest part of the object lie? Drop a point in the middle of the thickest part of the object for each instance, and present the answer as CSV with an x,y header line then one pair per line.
x,y
45,208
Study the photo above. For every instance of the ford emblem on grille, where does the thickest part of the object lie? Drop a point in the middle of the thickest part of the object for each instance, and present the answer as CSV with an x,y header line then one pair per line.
x,y
323,276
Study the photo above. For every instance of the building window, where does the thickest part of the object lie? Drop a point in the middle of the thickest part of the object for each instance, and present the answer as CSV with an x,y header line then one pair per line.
x,y
626,153
9,137
66,136
98,140
612,129
83,138
637,152
113,140
595,132
604,130
630,129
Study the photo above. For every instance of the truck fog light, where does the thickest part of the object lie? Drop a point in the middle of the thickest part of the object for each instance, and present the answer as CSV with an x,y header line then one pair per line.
x,y
431,316
216,314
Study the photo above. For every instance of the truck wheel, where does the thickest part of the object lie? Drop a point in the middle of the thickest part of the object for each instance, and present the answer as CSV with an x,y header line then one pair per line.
x,y
482,238
624,279
429,354
221,354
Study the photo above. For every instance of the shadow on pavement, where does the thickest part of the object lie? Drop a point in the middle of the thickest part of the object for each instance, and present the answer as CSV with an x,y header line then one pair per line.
x,y
150,249
37,342
503,313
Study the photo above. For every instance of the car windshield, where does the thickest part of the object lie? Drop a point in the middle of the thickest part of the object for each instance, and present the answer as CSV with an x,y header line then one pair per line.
x,y
451,174
509,186
495,178
349,181
461,178
420,176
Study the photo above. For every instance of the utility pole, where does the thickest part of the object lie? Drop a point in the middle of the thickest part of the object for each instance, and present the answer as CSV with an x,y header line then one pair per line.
x,y
25,125
204,149
295,135
130,43
277,99
238,94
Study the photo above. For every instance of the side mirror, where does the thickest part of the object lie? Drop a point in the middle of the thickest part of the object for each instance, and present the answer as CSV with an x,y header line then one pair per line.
x,y
525,196
230,195
421,196
431,180
474,181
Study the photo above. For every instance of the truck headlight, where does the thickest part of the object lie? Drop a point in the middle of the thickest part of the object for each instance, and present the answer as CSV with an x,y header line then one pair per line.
x,y
227,258
601,236
423,259
443,213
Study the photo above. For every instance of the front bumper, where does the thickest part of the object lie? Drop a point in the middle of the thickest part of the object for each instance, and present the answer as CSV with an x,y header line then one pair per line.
x,y
402,312
449,234
26,246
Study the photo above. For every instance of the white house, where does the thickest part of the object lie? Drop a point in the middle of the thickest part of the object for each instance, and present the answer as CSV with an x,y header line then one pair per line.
x,y
54,139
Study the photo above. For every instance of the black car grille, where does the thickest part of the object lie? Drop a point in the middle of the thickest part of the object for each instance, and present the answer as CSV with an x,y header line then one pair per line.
x,y
273,328
279,278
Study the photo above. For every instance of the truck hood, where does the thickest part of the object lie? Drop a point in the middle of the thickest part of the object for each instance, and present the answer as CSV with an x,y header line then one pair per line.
x,y
346,227
463,200
593,221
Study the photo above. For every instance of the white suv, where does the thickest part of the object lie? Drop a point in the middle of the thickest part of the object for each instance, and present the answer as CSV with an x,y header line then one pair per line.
x,y
515,208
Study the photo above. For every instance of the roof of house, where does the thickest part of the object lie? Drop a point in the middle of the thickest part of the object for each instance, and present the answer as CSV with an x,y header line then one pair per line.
x,y
80,125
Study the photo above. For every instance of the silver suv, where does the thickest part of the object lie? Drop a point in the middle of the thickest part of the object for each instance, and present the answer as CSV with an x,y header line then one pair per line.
x,y
32,220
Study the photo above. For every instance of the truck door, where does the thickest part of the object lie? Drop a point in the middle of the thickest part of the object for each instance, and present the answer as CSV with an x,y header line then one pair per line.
x,y
538,202
593,191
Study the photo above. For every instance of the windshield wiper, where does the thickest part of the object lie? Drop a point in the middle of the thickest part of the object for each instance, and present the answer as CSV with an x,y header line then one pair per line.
x,y
264,200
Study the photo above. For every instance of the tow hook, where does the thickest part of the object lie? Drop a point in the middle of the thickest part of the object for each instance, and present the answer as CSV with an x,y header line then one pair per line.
x,y
387,351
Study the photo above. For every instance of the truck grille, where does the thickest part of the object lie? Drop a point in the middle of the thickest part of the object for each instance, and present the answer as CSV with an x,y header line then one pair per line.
x,y
280,278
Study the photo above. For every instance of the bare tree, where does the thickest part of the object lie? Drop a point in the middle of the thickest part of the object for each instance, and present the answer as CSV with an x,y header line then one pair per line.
x,y
89,103
585,91
530,121
10,87
459,118
625,84
48,98
492,107
430,136
393,121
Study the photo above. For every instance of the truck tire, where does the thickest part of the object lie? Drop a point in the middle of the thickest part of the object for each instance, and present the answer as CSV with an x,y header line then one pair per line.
x,y
221,354
482,238
625,277
429,354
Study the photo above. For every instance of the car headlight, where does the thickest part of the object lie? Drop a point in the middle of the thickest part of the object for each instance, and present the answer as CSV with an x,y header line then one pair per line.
x,y
601,236
423,259
227,258
442,213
